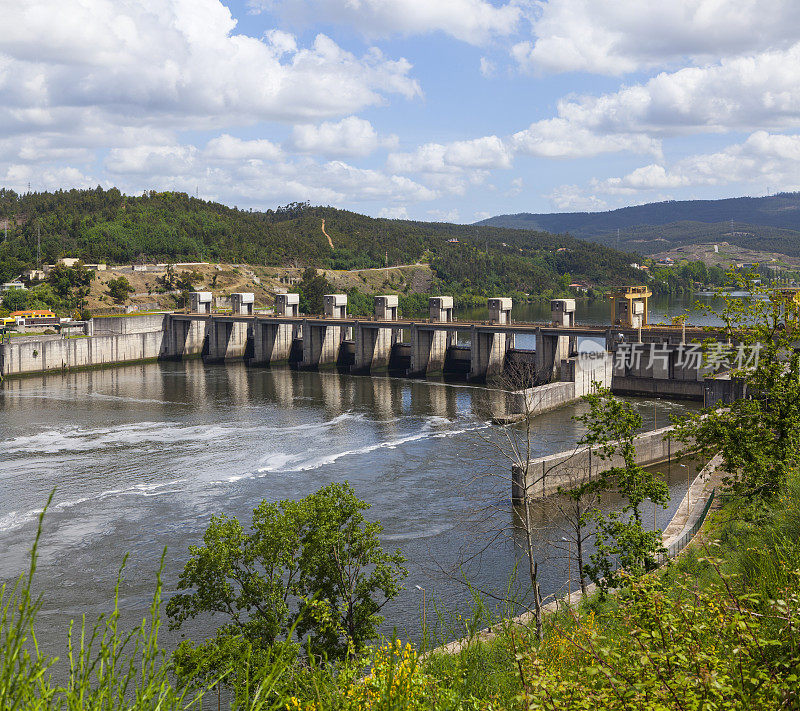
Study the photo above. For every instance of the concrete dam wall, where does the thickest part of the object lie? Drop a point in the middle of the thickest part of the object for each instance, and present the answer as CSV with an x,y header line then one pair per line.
x,y
543,476
115,340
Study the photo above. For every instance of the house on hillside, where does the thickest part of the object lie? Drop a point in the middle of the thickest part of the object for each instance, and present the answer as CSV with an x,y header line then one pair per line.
x,y
12,286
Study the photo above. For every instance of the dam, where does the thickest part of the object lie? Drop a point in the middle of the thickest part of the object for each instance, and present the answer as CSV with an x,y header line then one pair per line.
x,y
557,370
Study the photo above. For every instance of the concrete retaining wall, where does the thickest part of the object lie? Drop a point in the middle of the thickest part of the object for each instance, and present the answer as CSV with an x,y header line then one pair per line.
x,y
544,475
140,323
115,340
577,378
683,389
35,356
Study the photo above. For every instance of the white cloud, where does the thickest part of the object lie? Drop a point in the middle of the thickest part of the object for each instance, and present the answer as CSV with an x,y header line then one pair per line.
x,y
39,149
516,187
570,198
115,81
762,157
473,21
630,35
228,148
234,170
132,62
351,136
488,67
154,160
488,152
394,213
745,93
564,138
445,215
17,176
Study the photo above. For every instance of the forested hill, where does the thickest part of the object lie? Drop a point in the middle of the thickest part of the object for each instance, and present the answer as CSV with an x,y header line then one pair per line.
x,y
105,225
770,224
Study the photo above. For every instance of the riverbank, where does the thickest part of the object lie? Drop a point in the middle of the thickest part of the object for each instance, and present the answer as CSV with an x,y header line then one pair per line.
x,y
679,532
715,628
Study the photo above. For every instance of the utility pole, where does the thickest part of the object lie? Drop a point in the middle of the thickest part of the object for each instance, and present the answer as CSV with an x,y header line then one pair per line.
x,y
38,244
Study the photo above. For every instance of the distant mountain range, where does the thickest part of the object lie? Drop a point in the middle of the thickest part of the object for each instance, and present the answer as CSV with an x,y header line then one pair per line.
x,y
769,224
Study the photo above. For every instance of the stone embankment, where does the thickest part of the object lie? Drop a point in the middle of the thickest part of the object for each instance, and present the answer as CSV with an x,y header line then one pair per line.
x,y
674,539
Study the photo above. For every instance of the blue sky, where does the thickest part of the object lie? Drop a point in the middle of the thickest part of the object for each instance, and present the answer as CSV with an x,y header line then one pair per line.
x,y
428,109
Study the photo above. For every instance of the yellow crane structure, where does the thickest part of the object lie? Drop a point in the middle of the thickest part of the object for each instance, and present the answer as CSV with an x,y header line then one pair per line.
x,y
629,306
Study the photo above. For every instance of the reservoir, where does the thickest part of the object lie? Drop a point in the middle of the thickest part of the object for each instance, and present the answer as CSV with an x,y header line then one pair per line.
x,y
142,456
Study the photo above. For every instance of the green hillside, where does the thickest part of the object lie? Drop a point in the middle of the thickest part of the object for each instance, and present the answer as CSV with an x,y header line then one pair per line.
x,y
105,225
768,224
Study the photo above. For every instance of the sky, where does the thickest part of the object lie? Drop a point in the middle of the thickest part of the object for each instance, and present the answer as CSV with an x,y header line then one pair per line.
x,y
447,110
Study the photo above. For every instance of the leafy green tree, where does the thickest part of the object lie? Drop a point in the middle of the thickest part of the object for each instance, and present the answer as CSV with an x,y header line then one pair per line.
x,y
359,303
185,281
622,543
71,284
758,435
311,289
414,305
345,570
314,567
16,299
119,288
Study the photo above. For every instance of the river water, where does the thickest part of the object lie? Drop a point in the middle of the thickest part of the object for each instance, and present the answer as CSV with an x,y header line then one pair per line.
x,y
141,457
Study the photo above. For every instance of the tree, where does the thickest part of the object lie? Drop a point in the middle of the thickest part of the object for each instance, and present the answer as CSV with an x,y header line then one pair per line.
x,y
314,568
16,299
119,288
311,289
71,284
577,503
759,434
621,542
185,281
511,441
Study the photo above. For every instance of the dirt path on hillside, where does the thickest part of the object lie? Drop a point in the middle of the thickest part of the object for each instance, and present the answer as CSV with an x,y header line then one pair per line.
x,y
330,241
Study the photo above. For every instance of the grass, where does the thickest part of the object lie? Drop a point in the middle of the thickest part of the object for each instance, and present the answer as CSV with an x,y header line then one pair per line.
x,y
717,629
110,669
731,599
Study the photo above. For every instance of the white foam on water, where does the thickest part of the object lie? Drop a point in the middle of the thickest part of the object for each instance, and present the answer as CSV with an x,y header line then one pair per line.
x,y
423,533
270,463
285,462
77,397
318,426
125,398
435,420
77,439
17,519
322,461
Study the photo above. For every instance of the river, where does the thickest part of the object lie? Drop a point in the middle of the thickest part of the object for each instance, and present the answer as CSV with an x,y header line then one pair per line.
x,y
141,457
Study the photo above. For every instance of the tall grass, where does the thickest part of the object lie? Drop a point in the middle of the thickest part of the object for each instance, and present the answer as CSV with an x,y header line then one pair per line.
x,y
109,669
